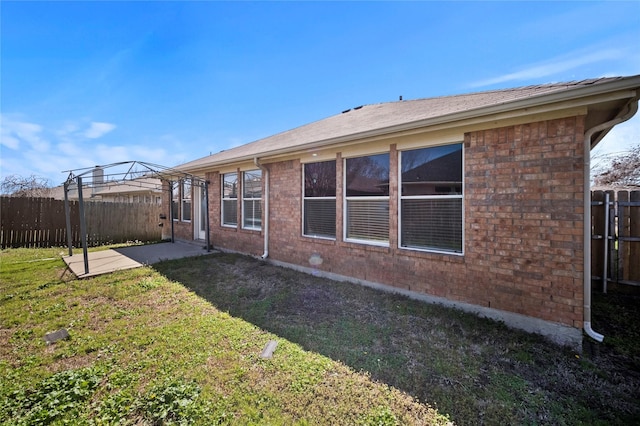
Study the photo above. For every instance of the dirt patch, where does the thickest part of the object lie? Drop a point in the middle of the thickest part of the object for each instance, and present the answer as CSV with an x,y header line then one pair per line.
x,y
476,370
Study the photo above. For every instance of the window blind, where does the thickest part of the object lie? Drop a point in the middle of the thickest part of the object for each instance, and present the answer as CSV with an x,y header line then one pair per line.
x,y
252,213
368,219
230,212
320,217
432,223
186,210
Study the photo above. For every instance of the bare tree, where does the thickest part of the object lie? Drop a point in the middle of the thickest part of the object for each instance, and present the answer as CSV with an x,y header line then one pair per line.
x,y
31,186
624,170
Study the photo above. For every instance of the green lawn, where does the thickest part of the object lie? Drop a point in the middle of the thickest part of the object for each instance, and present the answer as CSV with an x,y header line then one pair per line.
x,y
181,343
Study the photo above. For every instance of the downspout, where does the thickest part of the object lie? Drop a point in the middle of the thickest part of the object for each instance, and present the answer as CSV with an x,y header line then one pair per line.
x,y
633,108
265,173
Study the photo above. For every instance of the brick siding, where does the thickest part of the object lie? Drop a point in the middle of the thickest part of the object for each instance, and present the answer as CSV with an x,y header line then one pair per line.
x,y
523,212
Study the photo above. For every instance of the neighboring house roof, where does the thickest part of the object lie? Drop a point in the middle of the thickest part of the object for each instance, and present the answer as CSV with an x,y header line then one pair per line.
x,y
615,188
365,185
143,185
57,192
447,168
138,186
391,117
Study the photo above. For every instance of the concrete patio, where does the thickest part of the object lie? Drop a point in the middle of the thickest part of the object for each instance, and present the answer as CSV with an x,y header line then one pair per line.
x,y
106,261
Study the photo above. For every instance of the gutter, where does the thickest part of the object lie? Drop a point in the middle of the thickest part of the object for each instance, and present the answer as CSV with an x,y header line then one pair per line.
x,y
265,172
632,109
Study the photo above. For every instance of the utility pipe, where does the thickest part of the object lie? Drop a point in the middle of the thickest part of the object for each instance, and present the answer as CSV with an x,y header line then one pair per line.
x,y
633,108
265,173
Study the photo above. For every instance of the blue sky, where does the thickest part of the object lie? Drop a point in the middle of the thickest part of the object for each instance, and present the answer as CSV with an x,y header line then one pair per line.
x,y
89,83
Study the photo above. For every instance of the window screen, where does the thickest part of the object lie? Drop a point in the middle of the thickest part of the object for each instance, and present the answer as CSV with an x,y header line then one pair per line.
x,y
367,198
252,199
431,199
175,200
319,209
230,199
186,200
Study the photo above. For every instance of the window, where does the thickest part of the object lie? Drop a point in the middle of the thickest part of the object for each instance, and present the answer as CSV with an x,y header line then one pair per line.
x,y
175,200
319,209
367,199
431,199
230,199
252,199
186,200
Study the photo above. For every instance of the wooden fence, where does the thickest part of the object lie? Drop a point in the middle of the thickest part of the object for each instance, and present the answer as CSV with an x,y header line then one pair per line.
x,y
41,222
615,237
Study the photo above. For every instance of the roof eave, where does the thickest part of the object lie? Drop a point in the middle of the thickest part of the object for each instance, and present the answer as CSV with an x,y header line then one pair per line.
x,y
614,90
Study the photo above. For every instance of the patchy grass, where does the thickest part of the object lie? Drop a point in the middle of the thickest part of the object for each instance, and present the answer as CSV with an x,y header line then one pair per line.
x,y
180,343
617,317
474,370
144,349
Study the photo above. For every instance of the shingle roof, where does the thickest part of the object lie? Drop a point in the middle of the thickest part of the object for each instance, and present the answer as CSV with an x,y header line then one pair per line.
x,y
376,117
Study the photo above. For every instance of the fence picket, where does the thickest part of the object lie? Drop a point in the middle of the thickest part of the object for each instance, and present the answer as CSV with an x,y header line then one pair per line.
x,y
632,273
597,234
624,230
40,222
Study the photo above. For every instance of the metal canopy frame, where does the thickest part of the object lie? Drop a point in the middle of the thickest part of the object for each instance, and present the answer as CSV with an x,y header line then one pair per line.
x,y
132,173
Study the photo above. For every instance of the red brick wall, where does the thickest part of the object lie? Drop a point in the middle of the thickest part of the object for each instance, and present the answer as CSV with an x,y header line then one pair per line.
x,y
236,239
522,234
524,212
285,221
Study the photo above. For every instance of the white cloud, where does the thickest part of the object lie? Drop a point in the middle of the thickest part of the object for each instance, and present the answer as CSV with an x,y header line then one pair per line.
x,y
556,66
15,132
67,130
98,129
49,150
52,166
8,139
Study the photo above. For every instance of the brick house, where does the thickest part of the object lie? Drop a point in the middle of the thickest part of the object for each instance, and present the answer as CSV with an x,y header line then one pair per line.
x,y
475,201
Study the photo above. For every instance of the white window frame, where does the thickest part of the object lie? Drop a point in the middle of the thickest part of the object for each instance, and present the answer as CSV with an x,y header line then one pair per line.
x,y
228,199
252,199
429,197
185,199
305,198
175,200
347,199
